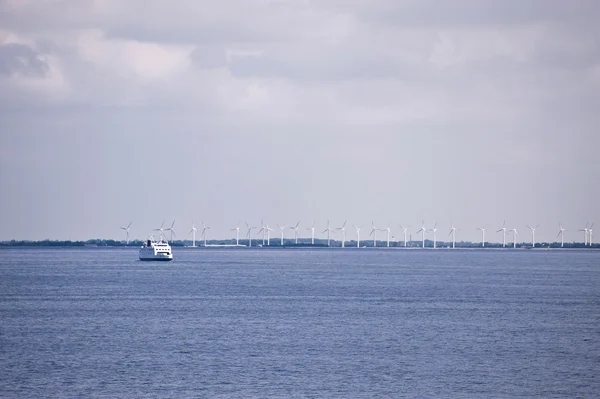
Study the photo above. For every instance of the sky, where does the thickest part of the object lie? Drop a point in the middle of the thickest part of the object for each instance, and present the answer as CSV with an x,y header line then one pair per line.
x,y
468,112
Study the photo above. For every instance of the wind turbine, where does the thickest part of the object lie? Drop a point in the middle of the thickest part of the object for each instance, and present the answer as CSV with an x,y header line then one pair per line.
x,y
263,230
281,228
204,228
249,234
127,231
193,232
172,230
312,229
585,234
532,234
269,230
561,233
295,228
343,230
389,231
162,230
357,235
453,232
266,230
422,231
515,234
590,233
434,230
328,230
374,233
237,234
503,230
405,229
482,235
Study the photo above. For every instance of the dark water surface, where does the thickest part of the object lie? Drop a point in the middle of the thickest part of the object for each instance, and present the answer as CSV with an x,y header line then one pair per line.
x,y
300,323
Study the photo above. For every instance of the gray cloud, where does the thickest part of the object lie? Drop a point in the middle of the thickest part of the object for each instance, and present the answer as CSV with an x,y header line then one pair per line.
x,y
21,59
209,56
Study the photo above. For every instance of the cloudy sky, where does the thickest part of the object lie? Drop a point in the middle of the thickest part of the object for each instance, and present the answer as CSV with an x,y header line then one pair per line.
x,y
395,111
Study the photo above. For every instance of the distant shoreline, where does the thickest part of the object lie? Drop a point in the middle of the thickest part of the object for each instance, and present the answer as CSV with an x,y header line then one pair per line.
x,y
319,244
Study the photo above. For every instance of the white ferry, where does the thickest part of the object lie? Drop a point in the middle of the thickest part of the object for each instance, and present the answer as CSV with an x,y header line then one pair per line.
x,y
156,250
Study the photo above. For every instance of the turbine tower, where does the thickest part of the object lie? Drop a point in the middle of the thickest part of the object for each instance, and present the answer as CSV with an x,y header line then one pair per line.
x,y
357,235
172,230
515,234
561,233
482,235
193,233
295,228
343,230
162,230
585,234
532,234
266,230
249,234
312,230
374,233
263,231
422,231
405,229
281,228
434,230
590,230
503,230
127,232
269,230
389,231
237,234
453,232
328,230
204,228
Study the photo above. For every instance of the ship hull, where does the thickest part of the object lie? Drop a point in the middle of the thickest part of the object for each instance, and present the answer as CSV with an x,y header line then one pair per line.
x,y
156,251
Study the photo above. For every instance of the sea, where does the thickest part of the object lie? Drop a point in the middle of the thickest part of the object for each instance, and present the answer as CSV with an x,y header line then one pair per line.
x,y
300,323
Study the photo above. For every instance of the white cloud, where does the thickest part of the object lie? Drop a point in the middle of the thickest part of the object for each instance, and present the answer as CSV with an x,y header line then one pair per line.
x,y
133,59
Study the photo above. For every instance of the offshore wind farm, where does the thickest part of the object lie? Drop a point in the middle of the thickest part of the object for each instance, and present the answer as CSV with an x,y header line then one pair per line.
x,y
398,238
328,235
394,238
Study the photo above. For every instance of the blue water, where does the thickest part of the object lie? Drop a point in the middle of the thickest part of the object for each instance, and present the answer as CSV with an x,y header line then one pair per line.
x,y
300,324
